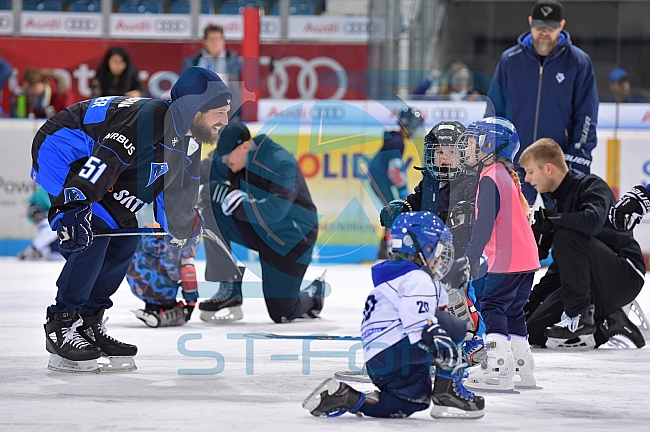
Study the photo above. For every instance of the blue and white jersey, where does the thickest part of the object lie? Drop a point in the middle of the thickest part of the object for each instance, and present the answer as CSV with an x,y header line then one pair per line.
x,y
403,300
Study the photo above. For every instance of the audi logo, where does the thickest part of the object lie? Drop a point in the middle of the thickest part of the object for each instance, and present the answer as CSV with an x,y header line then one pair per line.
x,y
307,80
81,24
449,113
268,27
356,27
170,25
5,22
325,112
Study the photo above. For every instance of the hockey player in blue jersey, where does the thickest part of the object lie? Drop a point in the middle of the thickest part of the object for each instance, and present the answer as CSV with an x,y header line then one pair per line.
x,y
386,171
404,332
101,161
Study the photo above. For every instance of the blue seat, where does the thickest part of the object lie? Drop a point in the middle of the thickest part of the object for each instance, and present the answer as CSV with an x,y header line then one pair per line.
x,y
234,7
5,4
183,7
42,5
94,6
296,7
141,6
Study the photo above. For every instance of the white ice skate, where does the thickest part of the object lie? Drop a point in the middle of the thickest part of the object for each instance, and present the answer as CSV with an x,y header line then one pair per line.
x,y
497,371
524,362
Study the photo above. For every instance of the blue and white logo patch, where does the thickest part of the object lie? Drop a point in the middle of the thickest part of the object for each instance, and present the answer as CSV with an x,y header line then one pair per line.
x,y
72,194
157,169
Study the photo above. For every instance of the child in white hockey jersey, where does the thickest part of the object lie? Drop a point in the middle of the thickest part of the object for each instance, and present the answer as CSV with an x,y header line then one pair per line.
x,y
404,332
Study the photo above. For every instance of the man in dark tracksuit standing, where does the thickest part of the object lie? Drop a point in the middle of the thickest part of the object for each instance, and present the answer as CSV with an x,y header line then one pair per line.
x,y
101,161
546,86
596,269
264,205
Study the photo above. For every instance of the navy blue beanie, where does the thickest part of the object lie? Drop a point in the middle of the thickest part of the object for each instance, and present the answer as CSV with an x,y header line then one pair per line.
x,y
197,89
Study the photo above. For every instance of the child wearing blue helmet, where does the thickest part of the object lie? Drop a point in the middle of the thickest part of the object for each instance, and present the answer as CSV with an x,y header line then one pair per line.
x,y
502,231
404,332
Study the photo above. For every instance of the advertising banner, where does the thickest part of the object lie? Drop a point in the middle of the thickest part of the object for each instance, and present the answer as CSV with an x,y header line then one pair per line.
x,y
287,71
67,24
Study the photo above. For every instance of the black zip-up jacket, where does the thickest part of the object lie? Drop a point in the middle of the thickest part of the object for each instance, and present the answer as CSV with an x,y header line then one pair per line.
x,y
582,203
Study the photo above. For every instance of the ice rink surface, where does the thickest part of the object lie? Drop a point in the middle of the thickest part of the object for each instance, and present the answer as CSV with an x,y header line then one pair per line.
x,y
263,390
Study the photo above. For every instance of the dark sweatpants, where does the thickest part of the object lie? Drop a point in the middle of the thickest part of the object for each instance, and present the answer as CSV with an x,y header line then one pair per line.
x,y
89,278
281,274
503,297
584,270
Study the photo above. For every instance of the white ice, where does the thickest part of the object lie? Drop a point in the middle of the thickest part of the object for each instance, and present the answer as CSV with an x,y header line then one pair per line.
x,y
596,390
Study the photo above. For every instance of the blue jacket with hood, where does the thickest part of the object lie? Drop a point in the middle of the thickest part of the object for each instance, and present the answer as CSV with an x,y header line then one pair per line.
x,y
556,98
120,154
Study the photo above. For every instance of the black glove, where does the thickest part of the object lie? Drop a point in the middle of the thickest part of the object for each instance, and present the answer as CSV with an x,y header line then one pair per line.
x,y
390,212
473,270
445,350
533,302
187,311
630,209
543,229
74,229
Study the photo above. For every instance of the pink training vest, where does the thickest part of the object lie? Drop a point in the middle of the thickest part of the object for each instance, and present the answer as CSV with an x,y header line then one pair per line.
x,y
512,247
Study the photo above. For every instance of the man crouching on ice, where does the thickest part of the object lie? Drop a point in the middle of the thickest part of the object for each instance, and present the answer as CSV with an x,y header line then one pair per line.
x,y
404,332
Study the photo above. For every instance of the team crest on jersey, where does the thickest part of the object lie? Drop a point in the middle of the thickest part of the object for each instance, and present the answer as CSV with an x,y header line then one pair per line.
x,y
192,147
72,194
559,77
157,170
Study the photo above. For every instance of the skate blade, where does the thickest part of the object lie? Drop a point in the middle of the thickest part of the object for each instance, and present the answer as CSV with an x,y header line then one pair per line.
x,y
350,376
231,314
527,382
489,384
312,401
483,390
60,364
149,319
443,412
584,343
116,364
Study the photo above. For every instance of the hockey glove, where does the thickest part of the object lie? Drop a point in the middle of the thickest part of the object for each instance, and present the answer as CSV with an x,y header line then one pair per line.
x,y
74,229
232,201
389,213
630,209
194,239
445,350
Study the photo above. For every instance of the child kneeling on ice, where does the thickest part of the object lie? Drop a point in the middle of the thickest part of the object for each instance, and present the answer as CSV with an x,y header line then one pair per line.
x,y
404,332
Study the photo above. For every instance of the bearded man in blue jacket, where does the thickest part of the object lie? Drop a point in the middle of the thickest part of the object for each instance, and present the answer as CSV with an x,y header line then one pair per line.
x,y
546,86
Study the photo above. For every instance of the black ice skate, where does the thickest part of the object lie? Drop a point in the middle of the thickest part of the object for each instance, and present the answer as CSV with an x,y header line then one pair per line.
x,y
333,398
159,316
452,400
119,354
317,292
573,332
619,332
228,297
69,352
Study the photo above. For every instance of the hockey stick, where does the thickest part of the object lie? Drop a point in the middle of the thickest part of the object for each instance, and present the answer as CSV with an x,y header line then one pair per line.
x,y
300,337
207,233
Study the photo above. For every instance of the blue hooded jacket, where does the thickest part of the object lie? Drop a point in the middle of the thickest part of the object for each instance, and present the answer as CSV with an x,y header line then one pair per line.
x,y
555,99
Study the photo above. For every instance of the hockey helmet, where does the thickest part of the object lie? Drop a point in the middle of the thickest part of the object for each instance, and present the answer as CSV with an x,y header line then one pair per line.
x,y
423,235
410,119
444,136
493,137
